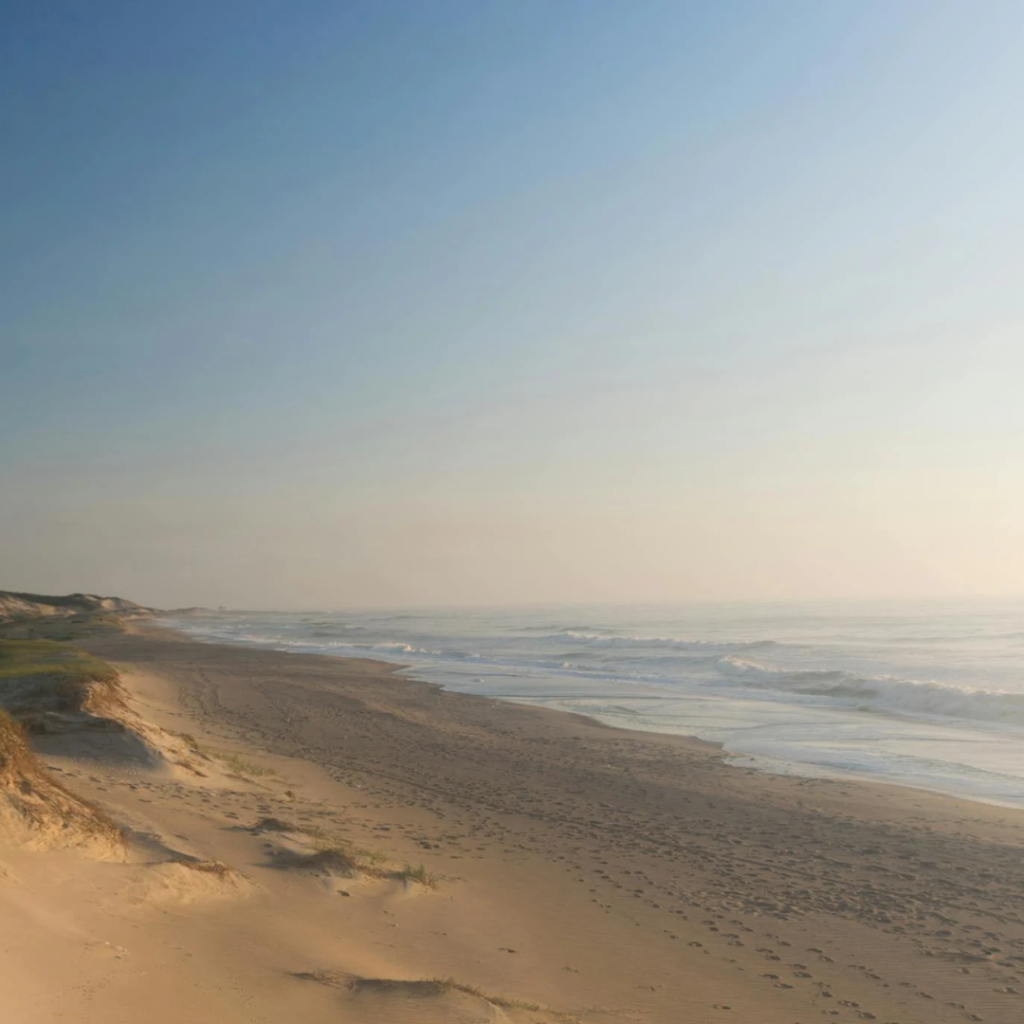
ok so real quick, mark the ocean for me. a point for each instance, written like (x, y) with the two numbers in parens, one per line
(929, 695)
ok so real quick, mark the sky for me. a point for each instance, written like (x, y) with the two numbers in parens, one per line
(327, 304)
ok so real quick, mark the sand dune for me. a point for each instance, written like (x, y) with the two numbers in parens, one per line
(184, 881)
(39, 813)
(28, 609)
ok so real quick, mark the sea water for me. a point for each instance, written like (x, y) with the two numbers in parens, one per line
(929, 695)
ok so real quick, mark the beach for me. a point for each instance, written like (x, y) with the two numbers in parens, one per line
(512, 513)
(926, 694)
(534, 866)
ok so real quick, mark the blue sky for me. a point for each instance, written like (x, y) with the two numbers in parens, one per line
(317, 304)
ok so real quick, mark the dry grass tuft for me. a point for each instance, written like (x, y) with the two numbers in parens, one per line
(206, 867)
(275, 825)
(240, 766)
(422, 988)
(335, 979)
(451, 985)
(330, 861)
(417, 874)
(34, 805)
(333, 854)
(233, 762)
(192, 743)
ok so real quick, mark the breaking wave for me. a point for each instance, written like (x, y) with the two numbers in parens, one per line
(883, 693)
(634, 642)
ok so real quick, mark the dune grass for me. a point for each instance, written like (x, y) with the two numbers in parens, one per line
(233, 762)
(371, 862)
(240, 766)
(452, 985)
(41, 801)
(66, 627)
(21, 659)
(415, 874)
(275, 825)
(333, 853)
(206, 867)
(192, 743)
(41, 678)
(422, 988)
(15, 754)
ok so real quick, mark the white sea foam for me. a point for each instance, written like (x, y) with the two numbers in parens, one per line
(889, 693)
(928, 695)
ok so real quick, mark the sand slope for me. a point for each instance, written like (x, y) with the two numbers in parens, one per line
(39, 813)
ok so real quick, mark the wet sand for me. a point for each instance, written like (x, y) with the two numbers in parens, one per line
(609, 875)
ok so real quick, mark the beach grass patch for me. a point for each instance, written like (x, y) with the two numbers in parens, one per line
(423, 988)
(415, 874)
(206, 867)
(329, 861)
(240, 766)
(42, 680)
(22, 659)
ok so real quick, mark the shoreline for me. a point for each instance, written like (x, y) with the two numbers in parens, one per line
(330, 840)
(759, 762)
(703, 882)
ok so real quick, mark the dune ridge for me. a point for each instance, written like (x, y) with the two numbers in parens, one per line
(37, 811)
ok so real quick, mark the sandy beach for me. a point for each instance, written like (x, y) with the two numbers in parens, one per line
(512, 513)
(514, 864)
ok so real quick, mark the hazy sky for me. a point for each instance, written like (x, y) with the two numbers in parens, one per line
(313, 304)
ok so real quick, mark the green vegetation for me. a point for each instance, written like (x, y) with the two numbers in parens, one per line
(451, 985)
(206, 867)
(41, 801)
(274, 825)
(234, 763)
(333, 853)
(240, 766)
(61, 628)
(330, 860)
(14, 752)
(417, 874)
(368, 860)
(23, 658)
(193, 744)
(40, 678)
(371, 859)
(63, 617)
(425, 988)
